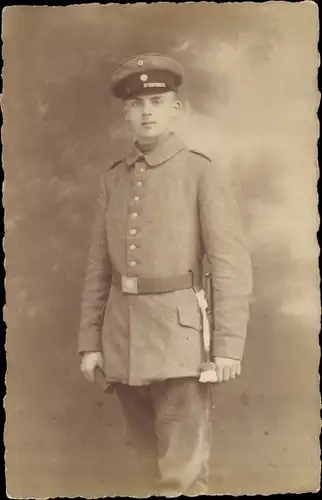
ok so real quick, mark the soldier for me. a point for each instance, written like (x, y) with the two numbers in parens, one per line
(161, 209)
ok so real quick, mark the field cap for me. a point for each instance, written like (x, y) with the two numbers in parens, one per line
(147, 73)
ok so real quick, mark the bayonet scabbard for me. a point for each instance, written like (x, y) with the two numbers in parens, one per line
(210, 304)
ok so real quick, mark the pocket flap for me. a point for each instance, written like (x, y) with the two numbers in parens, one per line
(189, 316)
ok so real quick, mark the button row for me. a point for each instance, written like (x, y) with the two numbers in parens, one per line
(134, 216)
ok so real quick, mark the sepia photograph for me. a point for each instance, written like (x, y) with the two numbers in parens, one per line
(161, 254)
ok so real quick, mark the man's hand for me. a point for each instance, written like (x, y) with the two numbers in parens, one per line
(227, 368)
(89, 362)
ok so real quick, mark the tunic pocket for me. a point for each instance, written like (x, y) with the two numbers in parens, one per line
(189, 316)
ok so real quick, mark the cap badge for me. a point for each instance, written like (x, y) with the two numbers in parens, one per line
(140, 62)
(144, 77)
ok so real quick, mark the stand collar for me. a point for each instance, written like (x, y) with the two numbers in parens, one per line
(165, 149)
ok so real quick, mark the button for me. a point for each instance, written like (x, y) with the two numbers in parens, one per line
(132, 263)
(142, 169)
(134, 215)
(132, 247)
(132, 232)
(136, 198)
(139, 184)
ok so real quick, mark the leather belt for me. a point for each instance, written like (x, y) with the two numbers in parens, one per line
(137, 286)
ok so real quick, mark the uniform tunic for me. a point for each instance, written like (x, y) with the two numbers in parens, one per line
(158, 214)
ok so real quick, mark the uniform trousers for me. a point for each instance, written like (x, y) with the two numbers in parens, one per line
(171, 420)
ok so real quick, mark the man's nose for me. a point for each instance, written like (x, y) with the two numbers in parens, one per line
(147, 108)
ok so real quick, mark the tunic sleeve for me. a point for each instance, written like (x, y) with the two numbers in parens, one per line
(97, 281)
(226, 250)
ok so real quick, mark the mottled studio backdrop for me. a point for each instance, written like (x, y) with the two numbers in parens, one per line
(251, 98)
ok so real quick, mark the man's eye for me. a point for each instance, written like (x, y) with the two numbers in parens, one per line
(157, 101)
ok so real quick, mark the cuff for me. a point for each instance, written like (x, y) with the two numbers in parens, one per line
(89, 341)
(228, 347)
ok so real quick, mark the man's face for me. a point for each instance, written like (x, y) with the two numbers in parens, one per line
(150, 116)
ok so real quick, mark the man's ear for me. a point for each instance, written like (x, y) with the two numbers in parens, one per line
(125, 112)
(178, 105)
(126, 109)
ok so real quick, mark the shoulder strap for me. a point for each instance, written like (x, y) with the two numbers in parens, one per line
(117, 162)
(194, 151)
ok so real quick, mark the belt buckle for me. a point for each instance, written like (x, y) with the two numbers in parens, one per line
(129, 284)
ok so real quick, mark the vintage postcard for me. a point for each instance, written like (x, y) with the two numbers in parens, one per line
(162, 283)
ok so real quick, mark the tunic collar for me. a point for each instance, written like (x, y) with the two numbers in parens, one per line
(168, 147)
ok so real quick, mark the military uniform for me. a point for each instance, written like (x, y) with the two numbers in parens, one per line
(158, 213)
